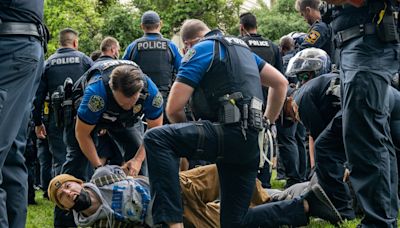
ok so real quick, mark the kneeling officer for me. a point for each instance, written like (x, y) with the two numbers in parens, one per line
(116, 94)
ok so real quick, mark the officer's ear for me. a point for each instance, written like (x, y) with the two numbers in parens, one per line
(75, 43)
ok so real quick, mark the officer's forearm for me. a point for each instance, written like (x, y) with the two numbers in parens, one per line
(276, 98)
(177, 117)
(88, 148)
(140, 154)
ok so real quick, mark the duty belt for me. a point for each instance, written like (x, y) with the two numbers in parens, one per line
(354, 32)
(26, 29)
(18, 28)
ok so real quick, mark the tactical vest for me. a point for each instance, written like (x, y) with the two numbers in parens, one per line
(114, 115)
(237, 72)
(262, 47)
(156, 60)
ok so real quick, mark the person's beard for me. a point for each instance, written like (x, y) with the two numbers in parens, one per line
(82, 202)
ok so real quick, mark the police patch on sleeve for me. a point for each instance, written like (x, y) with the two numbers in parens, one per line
(189, 54)
(312, 37)
(96, 103)
(157, 101)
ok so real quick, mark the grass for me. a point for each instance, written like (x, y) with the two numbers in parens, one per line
(41, 215)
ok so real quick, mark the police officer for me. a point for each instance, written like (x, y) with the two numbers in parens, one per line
(367, 38)
(43, 151)
(22, 36)
(320, 34)
(157, 56)
(263, 47)
(270, 53)
(318, 101)
(117, 95)
(66, 62)
(224, 78)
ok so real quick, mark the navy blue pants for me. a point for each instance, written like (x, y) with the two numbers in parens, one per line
(301, 136)
(237, 163)
(367, 66)
(57, 147)
(21, 64)
(45, 160)
(288, 151)
(395, 126)
(330, 159)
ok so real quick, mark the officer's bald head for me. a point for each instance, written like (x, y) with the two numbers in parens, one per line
(67, 37)
(192, 29)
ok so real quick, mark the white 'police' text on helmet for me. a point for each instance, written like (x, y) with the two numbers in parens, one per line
(309, 60)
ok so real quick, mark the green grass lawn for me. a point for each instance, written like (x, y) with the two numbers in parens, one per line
(41, 215)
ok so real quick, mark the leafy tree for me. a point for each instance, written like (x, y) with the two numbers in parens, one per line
(123, 23)
(215, 13)
(280, 20)
(77, 14)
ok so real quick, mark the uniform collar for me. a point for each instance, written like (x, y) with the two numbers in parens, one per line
(104, 57)
(253, 35)
(63, 50)
(214, 32)
(153, 35)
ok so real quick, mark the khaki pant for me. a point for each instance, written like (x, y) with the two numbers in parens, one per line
(200, 190)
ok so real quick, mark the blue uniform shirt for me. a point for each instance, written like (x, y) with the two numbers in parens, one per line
(198, 60)
(318, 36)
(155, 36)
(91, 116)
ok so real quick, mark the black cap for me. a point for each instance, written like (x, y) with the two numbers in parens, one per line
(150, 17)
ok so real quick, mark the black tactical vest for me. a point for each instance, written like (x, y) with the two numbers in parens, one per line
(237, 72)
(66, 62)
(156, 60)
(262, 47)
(114, 116)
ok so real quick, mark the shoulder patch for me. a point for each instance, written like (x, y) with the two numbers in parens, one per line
(157, 101)
(96, 103)
(312, 37)
(137, 108)
(189, 54)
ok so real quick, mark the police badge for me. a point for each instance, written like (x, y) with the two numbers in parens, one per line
(157, 101)
(96, 103)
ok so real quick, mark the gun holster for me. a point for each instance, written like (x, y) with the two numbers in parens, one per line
(229, 112)
(387, 28)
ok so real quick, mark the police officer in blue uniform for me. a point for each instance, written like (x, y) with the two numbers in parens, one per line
(157, 56)
(320, 34)
(67, 62)
(270, 53)
(367, 38)
(223, 78)
(22, 38)
(318, 101)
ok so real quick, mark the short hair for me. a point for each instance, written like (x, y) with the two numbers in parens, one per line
(302, 4)
(286, 43)
(108, 43)
(95, 55)
(150, 26)
(127, 79)
(192, 28)
(248, 20)
(67, 36)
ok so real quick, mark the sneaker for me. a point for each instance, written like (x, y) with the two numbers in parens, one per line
(320, 206)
